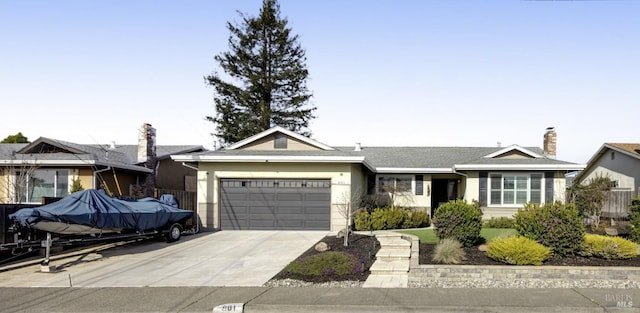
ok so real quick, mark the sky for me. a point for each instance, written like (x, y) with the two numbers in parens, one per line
(382, 73)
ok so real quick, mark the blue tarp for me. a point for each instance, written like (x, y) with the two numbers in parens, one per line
(94, 208)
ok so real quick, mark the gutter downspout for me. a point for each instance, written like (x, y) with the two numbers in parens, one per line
(196, 213)
(466, 177)
(95, 176)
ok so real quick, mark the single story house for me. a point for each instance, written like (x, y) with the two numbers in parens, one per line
(618, 161)
(279, 179)
(47, 167)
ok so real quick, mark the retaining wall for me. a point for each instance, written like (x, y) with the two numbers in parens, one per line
(428, 273)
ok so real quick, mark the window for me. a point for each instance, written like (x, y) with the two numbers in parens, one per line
(394, 184)
(515, 189)
(280, 141)
(41, 183)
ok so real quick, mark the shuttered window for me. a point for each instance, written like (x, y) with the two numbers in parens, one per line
(419, 185)
(515, 189)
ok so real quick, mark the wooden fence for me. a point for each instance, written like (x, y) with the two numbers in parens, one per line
(616, 203)
(187, 200)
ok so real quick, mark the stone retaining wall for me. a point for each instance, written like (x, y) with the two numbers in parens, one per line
(432, 274)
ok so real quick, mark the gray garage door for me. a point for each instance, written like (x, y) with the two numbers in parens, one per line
(275, 204)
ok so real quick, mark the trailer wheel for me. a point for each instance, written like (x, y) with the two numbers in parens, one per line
(174, 232)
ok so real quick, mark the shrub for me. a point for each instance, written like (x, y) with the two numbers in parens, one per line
(449, 251)
(378, 217)
(557, 226)
(499, 222)
(390, 218)
(458, 220)
(332, 263)
(634, 220)
(517, 250)
(610, 248)
(416, 219)
(362, 220)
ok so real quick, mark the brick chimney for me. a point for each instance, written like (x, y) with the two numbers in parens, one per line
(147, 156)
(146, 144)
(549, 144)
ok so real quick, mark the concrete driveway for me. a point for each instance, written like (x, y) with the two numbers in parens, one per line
(226, 258)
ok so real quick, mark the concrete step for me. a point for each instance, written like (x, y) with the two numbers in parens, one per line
(386, 242)
(387, 281)
(394, 254)
(381, 267)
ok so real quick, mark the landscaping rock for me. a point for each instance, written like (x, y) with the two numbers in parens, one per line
(322, 247)
(482, 248)
(611, 231)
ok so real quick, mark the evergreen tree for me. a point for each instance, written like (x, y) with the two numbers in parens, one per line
(266, 65)
(17, 138)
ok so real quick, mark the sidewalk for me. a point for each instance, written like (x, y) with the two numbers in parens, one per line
(263, 299)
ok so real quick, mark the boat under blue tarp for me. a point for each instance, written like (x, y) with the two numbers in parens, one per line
(93, 211)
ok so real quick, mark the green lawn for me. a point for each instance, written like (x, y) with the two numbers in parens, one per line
(429, 236)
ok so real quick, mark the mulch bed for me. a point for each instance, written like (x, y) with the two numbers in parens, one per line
(477, 257)
(362, 246)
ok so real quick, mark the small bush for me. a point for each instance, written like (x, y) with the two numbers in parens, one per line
(458, 220)
(416, 219)
(634, 221)
(610, 248)
(390, 218)
(332, 263)
(362, 220)
(557, 226)
(449, 251)
(499, 222)
(518, 251)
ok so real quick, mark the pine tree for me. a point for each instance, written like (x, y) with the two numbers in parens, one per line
(268, 74)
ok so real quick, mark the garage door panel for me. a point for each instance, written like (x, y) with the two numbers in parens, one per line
(275, 204)
(297, 197)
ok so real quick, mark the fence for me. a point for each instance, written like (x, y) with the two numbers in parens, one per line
(616, 203)
(187, 200)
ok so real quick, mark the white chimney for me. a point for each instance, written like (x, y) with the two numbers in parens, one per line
(358, 147)
(112, 145)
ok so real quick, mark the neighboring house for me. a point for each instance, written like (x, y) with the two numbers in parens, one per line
(279, 179)
(47, 167)
(618, 161)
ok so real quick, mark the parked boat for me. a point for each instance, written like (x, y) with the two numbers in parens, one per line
(94, 212)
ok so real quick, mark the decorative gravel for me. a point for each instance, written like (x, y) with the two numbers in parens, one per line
(299, 283)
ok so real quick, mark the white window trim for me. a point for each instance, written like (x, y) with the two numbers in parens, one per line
(55, 182)
(410, 192)
(515, 205)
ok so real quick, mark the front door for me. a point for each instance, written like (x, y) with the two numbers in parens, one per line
(442, 191)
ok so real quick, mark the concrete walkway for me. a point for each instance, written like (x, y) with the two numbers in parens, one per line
(391, 268)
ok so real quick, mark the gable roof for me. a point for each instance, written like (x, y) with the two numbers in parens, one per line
(389, 159)
(630, 149)
(278, 129)
(513, 148)
(451, 159)
(48, 151)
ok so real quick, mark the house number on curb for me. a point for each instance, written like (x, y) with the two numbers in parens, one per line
(229, 307)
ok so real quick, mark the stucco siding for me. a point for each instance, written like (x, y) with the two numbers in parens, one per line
(4, 186)
(340, 175)
(620, 167)
(472, 190)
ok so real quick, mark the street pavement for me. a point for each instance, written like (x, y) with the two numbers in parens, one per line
(335, 300)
